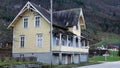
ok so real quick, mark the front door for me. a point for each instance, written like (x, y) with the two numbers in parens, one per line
(69, 59)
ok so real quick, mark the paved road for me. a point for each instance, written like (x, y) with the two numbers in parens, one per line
(104, 65)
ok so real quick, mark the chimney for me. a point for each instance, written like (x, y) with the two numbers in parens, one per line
(39, 5)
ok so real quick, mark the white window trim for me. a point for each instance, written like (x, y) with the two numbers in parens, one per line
(78, 26)
(23, 22)
(37, 41)
(35, 21)
(20, 41)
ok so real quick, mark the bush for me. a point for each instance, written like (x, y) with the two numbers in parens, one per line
(7, 59)
(25, 59)
(45, 66)
(2, 59)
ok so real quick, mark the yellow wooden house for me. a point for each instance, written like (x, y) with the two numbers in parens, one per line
(31, 35)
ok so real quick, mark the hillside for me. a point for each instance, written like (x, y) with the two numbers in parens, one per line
(100, 15)
(107, 38)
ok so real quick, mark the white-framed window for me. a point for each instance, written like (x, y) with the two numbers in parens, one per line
(22, 41)
(37, 21)
(39, 40)
(25, 22)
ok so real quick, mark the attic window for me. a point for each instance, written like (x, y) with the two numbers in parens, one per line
(37, 21)
(25, 22)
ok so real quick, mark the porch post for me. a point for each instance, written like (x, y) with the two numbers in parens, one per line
(74, 41)
(83, 43)
(60, 39)
(79, 42)
(88, 44)
(60, 58)
(73, 55)
(79, 57)
(67, 40)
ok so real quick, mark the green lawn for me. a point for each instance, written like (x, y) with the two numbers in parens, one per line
(13, 63)
(93, 60)
(113, 53)
(75, 65)
(48, 66)
(103, 58)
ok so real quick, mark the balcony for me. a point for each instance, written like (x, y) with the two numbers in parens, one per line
(69, 49)
(69, 43)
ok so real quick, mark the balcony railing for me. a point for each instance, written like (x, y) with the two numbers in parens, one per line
(70, 49)
(63, 42)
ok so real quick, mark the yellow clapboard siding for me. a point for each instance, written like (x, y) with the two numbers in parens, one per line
(30, 34)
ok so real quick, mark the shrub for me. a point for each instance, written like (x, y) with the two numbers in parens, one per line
(45, 66)
(7, 59)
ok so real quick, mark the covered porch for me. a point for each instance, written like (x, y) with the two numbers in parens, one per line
(62, 39)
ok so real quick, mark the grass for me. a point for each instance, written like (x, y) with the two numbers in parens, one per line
(93, 60)
(102, 58)
(75, 65)
(14, 63)
(113, 53)
(48, 66)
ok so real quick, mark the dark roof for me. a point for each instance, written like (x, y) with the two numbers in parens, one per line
(65, 18)
(42, 10)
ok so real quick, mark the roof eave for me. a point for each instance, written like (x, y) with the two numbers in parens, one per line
(81, 15)
(22, 10)
(18, 15)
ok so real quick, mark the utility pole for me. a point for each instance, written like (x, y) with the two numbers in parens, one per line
(51, 35)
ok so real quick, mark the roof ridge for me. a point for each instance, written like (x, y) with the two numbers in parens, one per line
(56, 11)
(68, 10)
(40, 7)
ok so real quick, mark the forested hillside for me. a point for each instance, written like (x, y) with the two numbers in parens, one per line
(100, 15)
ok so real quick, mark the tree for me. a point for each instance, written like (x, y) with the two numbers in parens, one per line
(119, 51)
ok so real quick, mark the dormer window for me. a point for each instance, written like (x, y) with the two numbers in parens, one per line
(37, 21)
(25, 22)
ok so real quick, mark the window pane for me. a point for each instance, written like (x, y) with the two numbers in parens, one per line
(25, 21)
(37, 21)
(22, 41)
(39, 40)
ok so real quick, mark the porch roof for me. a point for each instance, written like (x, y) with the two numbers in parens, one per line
(58, 31)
